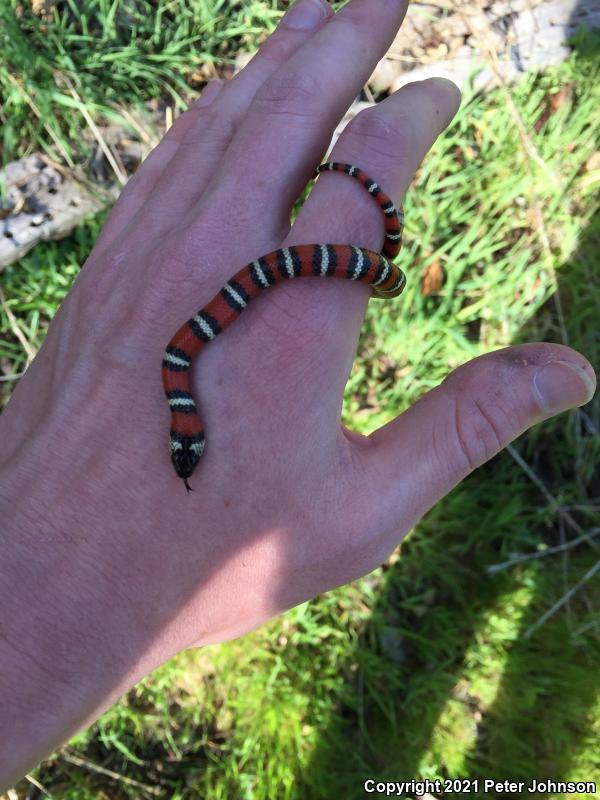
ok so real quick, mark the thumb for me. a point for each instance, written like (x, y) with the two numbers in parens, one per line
(475, 412)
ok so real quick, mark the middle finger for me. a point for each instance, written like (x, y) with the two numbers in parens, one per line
(291, 120)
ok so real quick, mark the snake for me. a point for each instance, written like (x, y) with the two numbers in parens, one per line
(186, 436)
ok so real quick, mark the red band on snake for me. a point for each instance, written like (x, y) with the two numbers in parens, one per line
(187, 442)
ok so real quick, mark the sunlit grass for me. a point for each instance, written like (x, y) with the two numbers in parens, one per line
(422, 669)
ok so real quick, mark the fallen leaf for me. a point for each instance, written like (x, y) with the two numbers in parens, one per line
(552, 103)
(432, 278)
(593, 162)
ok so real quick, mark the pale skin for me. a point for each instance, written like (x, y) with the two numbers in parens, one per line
(108, 567)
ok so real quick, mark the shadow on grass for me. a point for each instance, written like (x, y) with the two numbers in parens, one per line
(550, 682)
(416, 700)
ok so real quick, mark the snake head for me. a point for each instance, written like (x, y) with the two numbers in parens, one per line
(186, 452)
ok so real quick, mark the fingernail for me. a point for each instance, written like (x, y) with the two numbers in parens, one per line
(305, 14)
(561, 385)
(210, 91)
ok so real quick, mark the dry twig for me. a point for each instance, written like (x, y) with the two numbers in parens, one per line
(112, 157)
(38, 785)
(144, 135)
(83, 762)
(14, 377)
(555, 505)
(493, 569)
(564, 599)
(14, 326)
(40, 116)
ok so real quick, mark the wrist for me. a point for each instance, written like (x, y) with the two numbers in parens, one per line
(75, 631)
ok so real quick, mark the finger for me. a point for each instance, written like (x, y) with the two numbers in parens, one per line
(149, 172)
(479, 408)
(388, 142)
(293, 115)
(175, 174)
(206, 129)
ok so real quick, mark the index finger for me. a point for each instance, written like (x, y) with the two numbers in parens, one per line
(293, 115)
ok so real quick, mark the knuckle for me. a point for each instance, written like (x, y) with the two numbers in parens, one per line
(277, 48)
(293, 93)
(211, 125)
(382, 132)
(181, 125)
(477, 430)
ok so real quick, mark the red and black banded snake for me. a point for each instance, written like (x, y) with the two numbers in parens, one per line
(187, 440)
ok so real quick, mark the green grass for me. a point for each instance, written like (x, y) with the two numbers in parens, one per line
(422, 669)
(115, 54)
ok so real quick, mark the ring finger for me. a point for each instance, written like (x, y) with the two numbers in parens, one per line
(388, 142)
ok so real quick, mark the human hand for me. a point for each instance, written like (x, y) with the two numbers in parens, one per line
(287, 503)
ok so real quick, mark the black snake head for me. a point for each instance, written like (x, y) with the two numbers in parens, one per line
(186, 452)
